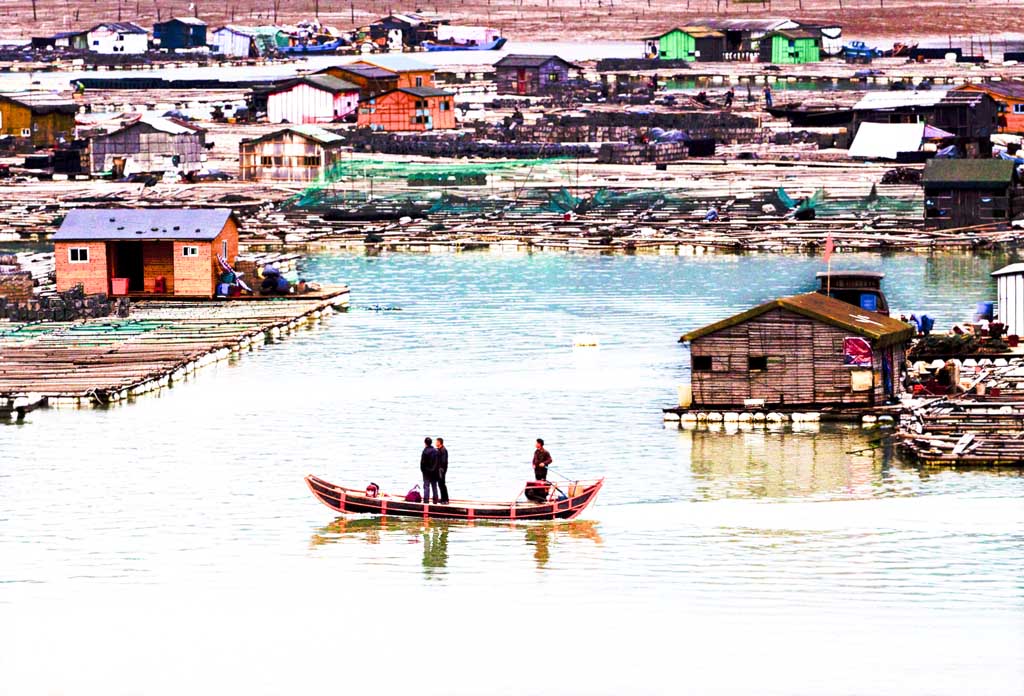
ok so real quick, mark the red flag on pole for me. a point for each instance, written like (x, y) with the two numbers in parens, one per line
(829, 248)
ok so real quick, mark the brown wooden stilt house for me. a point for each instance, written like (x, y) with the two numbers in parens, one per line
(804, 351)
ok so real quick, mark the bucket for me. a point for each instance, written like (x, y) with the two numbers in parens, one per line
(985, 310)
(118, 286)
(1012, 340)
(685, 395)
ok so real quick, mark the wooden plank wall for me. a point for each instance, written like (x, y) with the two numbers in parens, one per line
(804, 364)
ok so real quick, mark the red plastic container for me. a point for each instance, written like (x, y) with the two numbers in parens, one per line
(1012, 340)
(118, 286)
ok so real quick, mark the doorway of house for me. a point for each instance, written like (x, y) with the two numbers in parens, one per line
(128, 264)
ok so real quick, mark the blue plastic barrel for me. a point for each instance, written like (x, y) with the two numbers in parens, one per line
(986, 310)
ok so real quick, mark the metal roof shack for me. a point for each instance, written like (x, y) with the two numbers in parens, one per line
(968, 174)
(115, 224)
(295, 153)
(517, 60)
(884, 330)
(803, 351)
(971, 116)
(40, 117)
(532, 75)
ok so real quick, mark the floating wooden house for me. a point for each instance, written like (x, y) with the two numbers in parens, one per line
(531, 75)
(118, 37)
(961, 193)
(180, 33)
(369, 78)
(1009, 95)
(404, 29)
(311, 99)
(804, 351)
(969, 116)
(791, 46)
(38, 117)
(149, 143)
(688, 43)
(296, 153)
(152, 251)
(411, 73)
(247, 42)
(1010, 304)
(408, 109)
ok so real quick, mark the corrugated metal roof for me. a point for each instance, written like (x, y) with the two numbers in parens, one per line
(755, 25)
(897, 99)
(42, 102)
(968, 173)
(326, 82)
(1011, 89)
(316, 133)
(425, 91)
(1012, 269)
(881, 329)
(194, 21)
(371, 72)
(116, 224)
(394, 64)
(120, 27)
(519, 60)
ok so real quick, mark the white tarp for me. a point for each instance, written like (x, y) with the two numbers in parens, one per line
(886, 140)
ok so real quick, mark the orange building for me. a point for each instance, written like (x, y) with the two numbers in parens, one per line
(1010, 96)
(369, 78)
(157, 251)
(411, 73)
(408, 109)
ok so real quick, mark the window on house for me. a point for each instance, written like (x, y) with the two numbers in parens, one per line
(266, 161)
(224, 248)
(26, 133)
(757, 363)
(1018, 108)
(190, 251)
(553, 77)
(445, 106)
(702, 363)
(78, 254)
(311, 161)
(419, 81)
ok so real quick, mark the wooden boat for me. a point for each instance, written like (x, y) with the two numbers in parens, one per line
(578, 494)
(452, 45)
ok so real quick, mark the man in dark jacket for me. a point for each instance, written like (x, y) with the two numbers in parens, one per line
(428, 467)
(541, 461)
(442, 469)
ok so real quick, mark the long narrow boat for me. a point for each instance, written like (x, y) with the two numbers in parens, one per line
(494, 45)
(577, 495)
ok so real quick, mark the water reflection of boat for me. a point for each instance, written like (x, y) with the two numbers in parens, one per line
(434, 534)
(563, 502)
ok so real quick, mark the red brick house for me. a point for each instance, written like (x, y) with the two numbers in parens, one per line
(162, 251)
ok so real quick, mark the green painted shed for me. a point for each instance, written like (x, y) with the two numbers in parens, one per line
(691, 44)
(788, 46)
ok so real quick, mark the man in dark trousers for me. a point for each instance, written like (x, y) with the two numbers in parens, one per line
(442, 469)
(541, 460)
(428, 467)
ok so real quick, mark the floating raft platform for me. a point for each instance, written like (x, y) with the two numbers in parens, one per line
(101, 361)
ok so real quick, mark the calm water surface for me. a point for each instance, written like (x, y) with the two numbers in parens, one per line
(171, 547)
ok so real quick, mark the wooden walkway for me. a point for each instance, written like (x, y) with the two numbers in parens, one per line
(105, 360)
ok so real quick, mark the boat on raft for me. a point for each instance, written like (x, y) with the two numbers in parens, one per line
(560, 501)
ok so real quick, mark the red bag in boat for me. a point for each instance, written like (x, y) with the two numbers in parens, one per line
(413, 496)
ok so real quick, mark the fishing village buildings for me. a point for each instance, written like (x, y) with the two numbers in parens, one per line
(311, 99)
(40, 118)
(180, 33)
(531, 75)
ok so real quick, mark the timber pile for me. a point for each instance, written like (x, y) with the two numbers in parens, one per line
(982, 427)
(99, 361)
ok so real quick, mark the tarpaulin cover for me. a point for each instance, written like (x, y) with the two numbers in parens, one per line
(856, 352)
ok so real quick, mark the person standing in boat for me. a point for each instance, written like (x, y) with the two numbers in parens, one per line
(541, 461)
(442, 469)
(428, 467)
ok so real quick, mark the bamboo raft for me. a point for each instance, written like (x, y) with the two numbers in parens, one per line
(163, 342)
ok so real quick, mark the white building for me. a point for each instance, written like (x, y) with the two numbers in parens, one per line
(118, 37)
(312, 99)
(1010, 307)
(231, 41)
